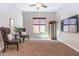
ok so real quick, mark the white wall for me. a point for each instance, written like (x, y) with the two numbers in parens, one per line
(7, 11)
(28, 21)
(71, 39)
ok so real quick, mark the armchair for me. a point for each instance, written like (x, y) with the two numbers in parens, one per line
(4, 32)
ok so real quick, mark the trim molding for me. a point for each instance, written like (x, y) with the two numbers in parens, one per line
(69, 45)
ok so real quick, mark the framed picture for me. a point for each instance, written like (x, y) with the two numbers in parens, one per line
(12, 22)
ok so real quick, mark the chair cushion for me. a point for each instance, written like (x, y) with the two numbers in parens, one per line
(13, 42)
(23, 33)
(10, 37)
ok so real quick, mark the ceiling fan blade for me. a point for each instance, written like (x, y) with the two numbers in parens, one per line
(44, 6)
(33, 5)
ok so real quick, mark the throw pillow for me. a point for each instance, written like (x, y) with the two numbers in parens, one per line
(10, 37)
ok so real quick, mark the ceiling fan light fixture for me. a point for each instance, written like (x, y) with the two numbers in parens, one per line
(39, 5)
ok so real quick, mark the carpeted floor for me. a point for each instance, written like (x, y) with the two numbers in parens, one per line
(40, 48)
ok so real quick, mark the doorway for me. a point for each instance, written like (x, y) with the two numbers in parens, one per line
(52, 29)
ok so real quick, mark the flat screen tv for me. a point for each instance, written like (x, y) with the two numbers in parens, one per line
(70, 24)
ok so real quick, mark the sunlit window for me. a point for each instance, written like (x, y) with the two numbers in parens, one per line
(39, 25)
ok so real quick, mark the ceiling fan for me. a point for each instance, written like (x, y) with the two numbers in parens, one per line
(38, 5)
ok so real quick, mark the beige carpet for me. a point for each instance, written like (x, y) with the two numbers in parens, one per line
(40, 48)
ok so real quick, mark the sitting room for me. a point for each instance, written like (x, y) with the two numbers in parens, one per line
(39, 29)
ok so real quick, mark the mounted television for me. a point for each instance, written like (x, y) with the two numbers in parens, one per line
(70, 24)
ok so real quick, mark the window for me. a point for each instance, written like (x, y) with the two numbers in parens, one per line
(70, 24)
(39, 25)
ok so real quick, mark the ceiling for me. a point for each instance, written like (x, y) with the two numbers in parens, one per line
(51, 7)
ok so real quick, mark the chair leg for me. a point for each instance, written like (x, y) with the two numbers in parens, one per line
(4, 49)
(23, 39)
(17, 47)
(20, 40)
(7, 46)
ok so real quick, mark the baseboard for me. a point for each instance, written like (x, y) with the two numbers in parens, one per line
(69, 45)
